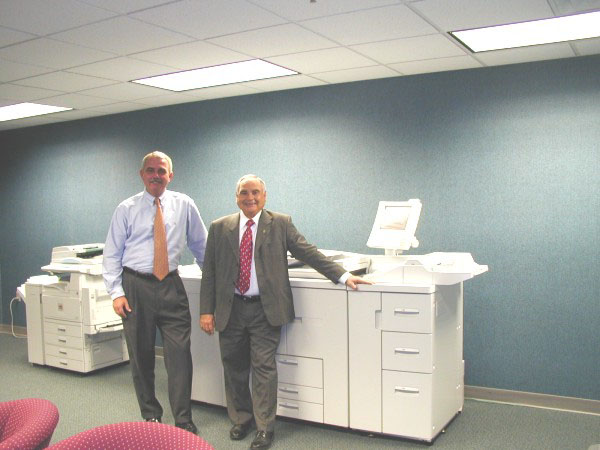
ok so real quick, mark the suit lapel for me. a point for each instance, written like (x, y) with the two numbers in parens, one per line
(233, 234)
(264, 227)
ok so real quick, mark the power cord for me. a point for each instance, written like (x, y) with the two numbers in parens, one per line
(12, 320)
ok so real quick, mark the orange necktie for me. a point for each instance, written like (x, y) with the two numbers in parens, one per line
(161, 257)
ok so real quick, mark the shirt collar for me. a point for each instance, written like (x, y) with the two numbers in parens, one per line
(244, 219)
(149, 197)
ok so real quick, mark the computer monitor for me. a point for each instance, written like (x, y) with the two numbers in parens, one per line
(395, 226)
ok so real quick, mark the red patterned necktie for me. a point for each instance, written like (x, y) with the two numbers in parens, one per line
(161, 256)
(243, 283)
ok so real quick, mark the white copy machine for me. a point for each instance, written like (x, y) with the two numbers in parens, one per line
(71, 323)
(386, 358)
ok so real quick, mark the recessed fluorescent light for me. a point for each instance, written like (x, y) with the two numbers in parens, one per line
(254, 69)
(546, 31)
(22, 110)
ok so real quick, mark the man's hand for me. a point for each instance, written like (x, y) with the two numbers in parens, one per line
(207, 323)
(121, 306)
(353, 281)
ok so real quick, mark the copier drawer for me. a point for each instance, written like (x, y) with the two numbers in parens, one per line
(296, 392)
(299, 370)
(63, 340)
(92, 354)
(411, 313)
(410, 352)
(62, 308)
(63, 329)
(407, 404)
(300, 410)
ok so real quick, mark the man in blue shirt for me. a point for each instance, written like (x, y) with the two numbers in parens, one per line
(146, 301)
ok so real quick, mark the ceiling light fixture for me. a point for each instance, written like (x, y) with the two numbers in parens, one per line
(545, 31)
(254, 69)
(22, 110)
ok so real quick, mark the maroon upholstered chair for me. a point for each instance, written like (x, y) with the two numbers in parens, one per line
(133, 435)
(27, 423)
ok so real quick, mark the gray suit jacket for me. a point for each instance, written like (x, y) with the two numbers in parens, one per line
(276, 234)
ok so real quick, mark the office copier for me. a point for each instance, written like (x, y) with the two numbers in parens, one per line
(70, 320)
(385, 358)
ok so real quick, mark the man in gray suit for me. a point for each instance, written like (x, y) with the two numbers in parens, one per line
(246, 296)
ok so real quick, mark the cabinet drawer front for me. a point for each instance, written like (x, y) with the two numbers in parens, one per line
(65, 352)
(410, 352)
(63, 308)
(62, 328)
(300, 410)
(300, 371)
(64, 363)
(303, 393)
(63, 340)
(106, 351)
(407, 404)
(411, 313)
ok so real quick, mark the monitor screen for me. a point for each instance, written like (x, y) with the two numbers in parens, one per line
(395, 217)
(395, 225)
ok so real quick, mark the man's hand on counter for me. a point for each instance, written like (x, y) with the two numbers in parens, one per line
(353, 281)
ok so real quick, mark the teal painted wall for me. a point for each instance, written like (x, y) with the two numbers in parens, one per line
(504, 159)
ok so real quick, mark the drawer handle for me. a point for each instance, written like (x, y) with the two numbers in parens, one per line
(407, 351)
(62, 328)
(64, 363)
(406, 311)
(406, 390)
(289, 406)
(63, 340)
(288, 390)
(291, 362)
(62, 352)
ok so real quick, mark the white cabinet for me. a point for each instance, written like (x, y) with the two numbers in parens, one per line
(406, 367)
(208, 384)
(317, 338)
(312, 358)
(384, 359)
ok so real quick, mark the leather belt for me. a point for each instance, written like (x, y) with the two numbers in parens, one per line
(247, 298)
(147, 276)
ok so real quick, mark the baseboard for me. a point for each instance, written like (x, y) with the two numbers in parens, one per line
(532, 399)
(19, 331)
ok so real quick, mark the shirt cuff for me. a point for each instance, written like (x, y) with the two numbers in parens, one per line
(344, 277)
(117, 293)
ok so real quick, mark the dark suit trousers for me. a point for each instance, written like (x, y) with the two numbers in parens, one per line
(163, 304)
(250, 342)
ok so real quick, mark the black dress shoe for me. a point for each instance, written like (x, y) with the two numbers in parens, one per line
(263, 439)
(188, 426)
(153, 419)
(240, 431)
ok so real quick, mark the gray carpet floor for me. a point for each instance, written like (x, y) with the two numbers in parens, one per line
(106, 396)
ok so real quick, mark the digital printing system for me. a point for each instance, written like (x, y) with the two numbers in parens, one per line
(71, 323)
(386, 358)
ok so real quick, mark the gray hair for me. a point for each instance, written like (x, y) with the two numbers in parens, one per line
(249, 176)
(158, 154)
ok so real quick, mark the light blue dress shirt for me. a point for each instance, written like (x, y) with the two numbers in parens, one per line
(130, 240)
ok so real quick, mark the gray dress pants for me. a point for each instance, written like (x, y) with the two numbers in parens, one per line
(163, 305)
(250, 342)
